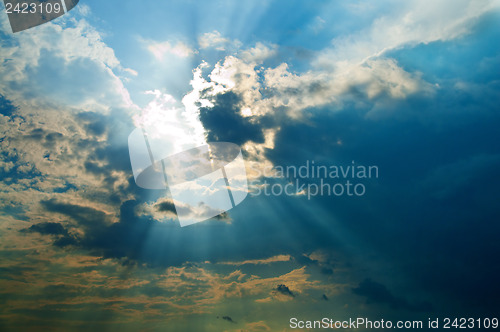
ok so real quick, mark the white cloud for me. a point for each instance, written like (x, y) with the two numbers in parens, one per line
(84, 9)
(49, 49)
(354, 67)
(354, 70)
(412, 22)
(161, 49)
(259, 53)
(318, 24)
(163, 117)
(375, 80)
(213, 39)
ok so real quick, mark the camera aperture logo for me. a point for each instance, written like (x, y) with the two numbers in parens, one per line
(26, 14)
(203, 181)
(312, 179)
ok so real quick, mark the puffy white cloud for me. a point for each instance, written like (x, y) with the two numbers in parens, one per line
(66, 62)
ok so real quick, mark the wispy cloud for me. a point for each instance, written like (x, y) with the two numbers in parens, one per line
(213, 39)
(161, 49)
(270, 260)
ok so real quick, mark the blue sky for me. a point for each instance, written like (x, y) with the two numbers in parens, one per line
(411, 87)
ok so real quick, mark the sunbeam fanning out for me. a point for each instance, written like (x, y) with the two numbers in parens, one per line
(249, 165)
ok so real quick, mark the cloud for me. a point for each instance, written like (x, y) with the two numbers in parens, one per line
(448, 181)
(410, 24)
(317, 25)
(270, 260)
(161, 49)
(224, 122)
(259, 53)
(242, 103)
(44, 62)
(217, 286)
(354, 71)
(86, 216)
(94, 123)
(83, 9)
(164, 209)
(229, 319)
(68, 165)
(213, 39)
(77, 282)
(63, 238)
(378, 293)
(6, 107)
(56, 135)
(52, 228)
(176, 125)
(54, 152)
(257, 326)
(283, 289)
(166, 206)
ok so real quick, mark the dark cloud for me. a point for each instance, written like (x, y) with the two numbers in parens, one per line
(94, 123)
(47, 138)
(6, 107)
(326, 268)
(224, 216)
(305, 260)
(166, 206)
(377, 293)
(62, 292)
(434, 208)
(223, 121)
(87, 217)
(18, 211)
(36, 134)
(106, 158)
(52, 228)
(62, 237)
(12, 273)
(120, 239)
(94, 168)
(67, 187)
(283, 289)
(51, 139)
(142, 239)
(67, 240)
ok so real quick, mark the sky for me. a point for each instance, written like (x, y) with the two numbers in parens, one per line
(410, 88)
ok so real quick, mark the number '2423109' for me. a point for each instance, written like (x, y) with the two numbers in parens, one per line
(32, 8)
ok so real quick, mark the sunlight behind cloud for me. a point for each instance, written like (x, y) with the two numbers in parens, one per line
(177, 128)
